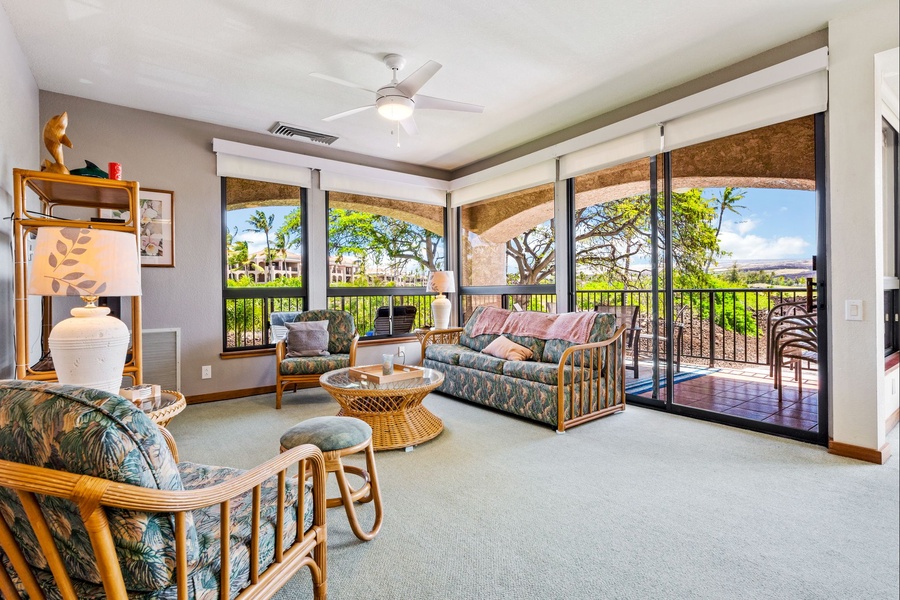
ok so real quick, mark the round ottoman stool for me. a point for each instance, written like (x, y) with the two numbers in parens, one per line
(337, 437)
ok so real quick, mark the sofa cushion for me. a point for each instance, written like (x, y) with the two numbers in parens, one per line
(540, 372)
(478, 342)
(446, 353)
(481, 362)
(314, 365)
(534, 344)
(505, 348)
(604, 326)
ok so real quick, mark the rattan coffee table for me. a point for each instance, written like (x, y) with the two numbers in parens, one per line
(394, 410)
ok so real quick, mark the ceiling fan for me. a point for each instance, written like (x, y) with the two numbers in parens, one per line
(397, 100)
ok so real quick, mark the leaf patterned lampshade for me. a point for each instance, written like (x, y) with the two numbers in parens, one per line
(441, 282)
(73, 261)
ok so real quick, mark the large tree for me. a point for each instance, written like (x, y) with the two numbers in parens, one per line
(378, 239)
(613, 240)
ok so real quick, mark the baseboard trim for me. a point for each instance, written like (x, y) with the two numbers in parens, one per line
(879, 457)
(892, 421)
(229, 395)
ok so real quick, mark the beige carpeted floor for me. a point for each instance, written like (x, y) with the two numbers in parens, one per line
(639, 505)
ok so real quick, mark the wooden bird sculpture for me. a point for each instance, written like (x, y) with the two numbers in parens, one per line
(55, 138)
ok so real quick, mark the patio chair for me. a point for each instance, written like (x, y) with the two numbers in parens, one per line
(94, 505)
(342, 339)
(404, 320)
(627, 315)
(795, 342)
(646, 334)
(778, 314)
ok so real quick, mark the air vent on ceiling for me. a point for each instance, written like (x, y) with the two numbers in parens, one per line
(288, 130)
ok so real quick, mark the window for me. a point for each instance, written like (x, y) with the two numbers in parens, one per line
(264, 238)
(612, 235)
(378, 248)
(508, 241)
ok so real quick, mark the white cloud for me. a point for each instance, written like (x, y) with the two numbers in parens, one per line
(743, 227)
(256, 240)
(756, 247)
(735, 237)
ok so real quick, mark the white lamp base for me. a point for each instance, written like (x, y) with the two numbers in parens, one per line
(89, 349)
(440, 310)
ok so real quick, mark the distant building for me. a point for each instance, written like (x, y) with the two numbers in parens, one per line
(345, 269)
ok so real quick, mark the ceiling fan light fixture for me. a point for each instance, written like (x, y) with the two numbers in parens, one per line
(395, 108)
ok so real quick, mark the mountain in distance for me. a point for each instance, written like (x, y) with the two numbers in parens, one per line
(790, 268)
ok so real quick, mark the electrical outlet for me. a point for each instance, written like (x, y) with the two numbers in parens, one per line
(206, 372)
(401, 354)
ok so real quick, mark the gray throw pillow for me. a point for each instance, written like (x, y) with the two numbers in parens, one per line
(307, 338)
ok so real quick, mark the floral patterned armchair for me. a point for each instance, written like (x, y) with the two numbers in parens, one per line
(93, 505)
(342, 339)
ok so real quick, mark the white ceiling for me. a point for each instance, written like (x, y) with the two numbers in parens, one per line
(537, 66)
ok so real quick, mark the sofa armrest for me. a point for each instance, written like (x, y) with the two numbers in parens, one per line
(441, 336)
(600, 387)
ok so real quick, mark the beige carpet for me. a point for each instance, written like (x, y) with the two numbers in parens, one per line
(638, 505)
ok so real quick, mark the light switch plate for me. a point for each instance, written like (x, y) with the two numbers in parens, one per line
(853, 310)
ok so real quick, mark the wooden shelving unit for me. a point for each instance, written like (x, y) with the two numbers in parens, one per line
(58, 193)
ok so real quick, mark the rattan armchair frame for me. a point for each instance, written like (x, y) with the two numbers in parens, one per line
(310, 380)
(94, 495)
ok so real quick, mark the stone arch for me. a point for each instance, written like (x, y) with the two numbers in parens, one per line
(428, 216)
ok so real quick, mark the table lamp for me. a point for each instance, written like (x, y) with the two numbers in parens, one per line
(440, 282)
(89, 348)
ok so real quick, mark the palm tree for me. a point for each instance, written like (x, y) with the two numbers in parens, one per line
(728, 202)
(262, 223)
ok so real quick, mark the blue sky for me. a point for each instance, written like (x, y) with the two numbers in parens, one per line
(256, 241)
(776, 224)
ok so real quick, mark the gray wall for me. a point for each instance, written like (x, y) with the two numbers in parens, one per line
(176, 154)
(19, 147)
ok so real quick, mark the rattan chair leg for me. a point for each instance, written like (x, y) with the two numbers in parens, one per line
(368, 492)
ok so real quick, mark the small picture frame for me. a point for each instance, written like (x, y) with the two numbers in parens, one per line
(156, 226)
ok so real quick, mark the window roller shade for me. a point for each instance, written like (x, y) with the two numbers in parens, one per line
(229, 165)
(351, 184)
(800, 97)
(537, 174)
(633, 146)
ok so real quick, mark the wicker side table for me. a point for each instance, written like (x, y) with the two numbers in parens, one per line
(393, 410)
(161, 410)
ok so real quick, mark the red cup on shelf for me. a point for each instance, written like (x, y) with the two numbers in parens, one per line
(115, 170)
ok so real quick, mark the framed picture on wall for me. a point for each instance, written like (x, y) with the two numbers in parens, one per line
(156, 227)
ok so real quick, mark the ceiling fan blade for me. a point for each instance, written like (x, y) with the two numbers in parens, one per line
(347, 113)
(414, 82)
(409, 125)
(340, 81)
(441, 104)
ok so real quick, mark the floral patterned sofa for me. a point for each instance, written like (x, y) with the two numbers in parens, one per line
(564, 384)
(93, 505)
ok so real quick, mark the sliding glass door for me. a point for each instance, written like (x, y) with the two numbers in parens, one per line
(733, 310)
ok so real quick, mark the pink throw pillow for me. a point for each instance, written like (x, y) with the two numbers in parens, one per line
(506, 348)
